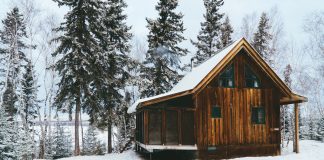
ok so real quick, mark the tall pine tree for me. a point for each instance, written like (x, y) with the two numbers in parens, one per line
(111, 67)
(79, 51)
(209, 37)
(262, 38)
(160, 68)
(12, 57)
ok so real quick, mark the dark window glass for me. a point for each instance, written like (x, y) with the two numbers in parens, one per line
(155, 123)
(171, 127)
(251, 80)
(188, 132)
(226, 78)
(258, 115)
(216, 112)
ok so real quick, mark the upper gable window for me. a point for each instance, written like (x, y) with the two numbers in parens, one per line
(251, 80)
(226, 78)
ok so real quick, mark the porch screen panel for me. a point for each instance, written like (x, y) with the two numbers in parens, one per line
(155, 123)
(171, 122)
(188, 137)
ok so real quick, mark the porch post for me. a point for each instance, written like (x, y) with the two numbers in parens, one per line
(296, 138)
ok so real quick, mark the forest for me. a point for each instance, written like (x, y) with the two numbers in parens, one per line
(89, 68)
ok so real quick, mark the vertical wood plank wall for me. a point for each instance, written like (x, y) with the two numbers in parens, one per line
(235, 126)
(235, 129)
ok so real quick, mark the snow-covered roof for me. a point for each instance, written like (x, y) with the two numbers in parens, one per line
(191, 79)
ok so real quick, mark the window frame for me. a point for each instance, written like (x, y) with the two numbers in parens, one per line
(216, 115)
(227, 78)
(257, 78)
(255, 119)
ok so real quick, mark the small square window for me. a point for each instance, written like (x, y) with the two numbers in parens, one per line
(258, 115)
(216, 112)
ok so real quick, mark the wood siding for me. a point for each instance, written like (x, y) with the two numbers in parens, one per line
(187, 120)
(235, 126)
(234, 134)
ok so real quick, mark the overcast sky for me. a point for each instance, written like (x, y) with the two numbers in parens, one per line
(293, 14)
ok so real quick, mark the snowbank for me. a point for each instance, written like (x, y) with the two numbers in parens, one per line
(309, 150)
(128, 155)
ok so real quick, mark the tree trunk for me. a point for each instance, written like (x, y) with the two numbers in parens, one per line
(81, 131)
(109, 132)
(76, 126)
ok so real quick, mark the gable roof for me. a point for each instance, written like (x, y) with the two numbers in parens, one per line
(194, 81)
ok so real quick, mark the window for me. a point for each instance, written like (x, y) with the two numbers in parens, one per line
(251, 80)
(258, 115)
(216, 112)
(226, 78)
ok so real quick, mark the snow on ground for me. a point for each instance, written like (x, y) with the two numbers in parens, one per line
(309, 150)
(128, 155)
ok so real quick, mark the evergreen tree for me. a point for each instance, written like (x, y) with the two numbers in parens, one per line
(79, 52)
(49, 147)
(24, 143)
(284, 114)
(262, 38)
(226, 33)
(312, 129)
(92, 146)
(6, 133)
(320, 130)
(30, 102)
(111, 67)
(126, 127)
(11, 58)
(160, 68)
(209, 38)
(61, 143)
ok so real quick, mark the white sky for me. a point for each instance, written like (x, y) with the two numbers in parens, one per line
(293, 14)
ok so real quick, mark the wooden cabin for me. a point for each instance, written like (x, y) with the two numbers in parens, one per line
(229, 106)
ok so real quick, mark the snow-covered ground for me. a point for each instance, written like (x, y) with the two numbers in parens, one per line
(309, 150)
(128, 155)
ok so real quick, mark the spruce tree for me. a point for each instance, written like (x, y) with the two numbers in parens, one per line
(284, 114)
(48, 153)
(30, 102)
(262, 38)
(90, 141)
(111, 67)
(126, 122)
(12, 57)
(61, 145)
(24, 143)
(92, 146)
(320, 130)
(209, 37)
(226, 33)
(7, 150)
(312, 129)
(79, 51)
(160, 68)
